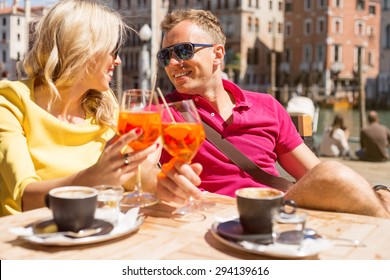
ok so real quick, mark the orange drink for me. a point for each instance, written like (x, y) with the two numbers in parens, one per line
(183, 135)
(183, 140)
(139, 108)
(149, 121)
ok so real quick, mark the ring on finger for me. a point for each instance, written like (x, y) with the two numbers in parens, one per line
(126, 159)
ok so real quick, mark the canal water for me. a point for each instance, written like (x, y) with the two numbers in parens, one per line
(351, 120)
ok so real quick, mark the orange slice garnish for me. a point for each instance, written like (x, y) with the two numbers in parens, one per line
(178, 132)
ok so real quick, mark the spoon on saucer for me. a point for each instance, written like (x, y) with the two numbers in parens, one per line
(79, 234)
(313, 234)
(22, 231)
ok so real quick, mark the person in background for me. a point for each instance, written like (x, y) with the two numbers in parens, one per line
(224, 75)
(334, 142)
(58, 123)
(4, 75)
(193, 48)
(374, 140)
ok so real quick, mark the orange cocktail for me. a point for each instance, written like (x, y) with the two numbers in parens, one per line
(149, 121)
(183, 135)
(139, 108)
(183, 140)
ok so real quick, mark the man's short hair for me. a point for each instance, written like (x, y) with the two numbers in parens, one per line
(206, 20)
(372, 117)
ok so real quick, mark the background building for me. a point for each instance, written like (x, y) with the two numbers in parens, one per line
(384, 75)
(311, 46)
(278, 46)
(15, 26)
(324, 41)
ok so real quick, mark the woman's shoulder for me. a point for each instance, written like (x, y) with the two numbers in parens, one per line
(16, 89)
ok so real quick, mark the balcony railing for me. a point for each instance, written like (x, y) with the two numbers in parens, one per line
(284, 67)
(337, 67)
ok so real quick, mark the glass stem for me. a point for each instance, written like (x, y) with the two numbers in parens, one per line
(192, 204)
(138, 186)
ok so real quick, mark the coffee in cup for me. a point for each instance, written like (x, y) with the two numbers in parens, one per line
(256, 207)
(73, 207)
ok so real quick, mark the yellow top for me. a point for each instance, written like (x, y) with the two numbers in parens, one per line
(34, 145)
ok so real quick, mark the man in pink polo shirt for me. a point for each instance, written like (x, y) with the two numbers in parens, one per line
(259, 126)
(192, 53)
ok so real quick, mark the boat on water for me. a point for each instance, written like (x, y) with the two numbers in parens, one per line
(342, 104)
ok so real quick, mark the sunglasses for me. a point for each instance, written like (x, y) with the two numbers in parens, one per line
(183, 51)
(115, 53)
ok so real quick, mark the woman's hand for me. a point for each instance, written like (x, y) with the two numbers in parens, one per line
(116, 166)
(177, 181)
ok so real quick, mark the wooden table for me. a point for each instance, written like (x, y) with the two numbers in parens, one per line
(161, 237)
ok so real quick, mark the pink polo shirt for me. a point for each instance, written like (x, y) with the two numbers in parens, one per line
(261, 129)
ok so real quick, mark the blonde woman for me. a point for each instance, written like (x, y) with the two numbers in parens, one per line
(57, 121)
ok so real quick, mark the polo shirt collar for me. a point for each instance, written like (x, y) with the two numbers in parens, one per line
(238, 94)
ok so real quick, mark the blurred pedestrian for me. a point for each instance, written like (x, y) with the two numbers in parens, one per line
(374, 140)
(334, 142)
(5, 75)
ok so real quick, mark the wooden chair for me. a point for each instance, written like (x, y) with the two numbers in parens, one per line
(303, 124)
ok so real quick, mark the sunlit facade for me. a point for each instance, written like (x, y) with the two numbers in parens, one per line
(384, 75)
(324, 42)
(15, 24)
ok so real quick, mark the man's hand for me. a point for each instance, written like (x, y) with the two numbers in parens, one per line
(177, 181)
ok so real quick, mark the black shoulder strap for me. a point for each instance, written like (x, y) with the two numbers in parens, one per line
(242, 161)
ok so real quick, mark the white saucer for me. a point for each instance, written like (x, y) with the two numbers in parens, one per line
(127, 224)
(308, 248)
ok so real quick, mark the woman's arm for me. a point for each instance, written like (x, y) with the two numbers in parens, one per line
(109, 169)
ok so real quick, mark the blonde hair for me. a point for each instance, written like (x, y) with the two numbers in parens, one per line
(73, 35)
(206, 20)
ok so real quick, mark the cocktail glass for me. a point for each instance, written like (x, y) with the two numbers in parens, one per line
(183, 135)
(140, 108)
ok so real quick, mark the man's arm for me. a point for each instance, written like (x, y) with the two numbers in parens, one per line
(330, 185)
(298, 161)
